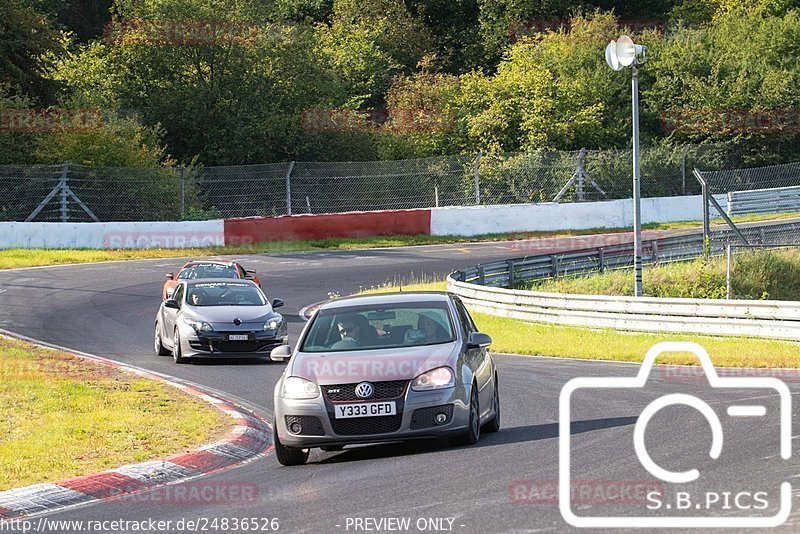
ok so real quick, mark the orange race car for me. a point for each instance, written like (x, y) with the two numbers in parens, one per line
(194, 270)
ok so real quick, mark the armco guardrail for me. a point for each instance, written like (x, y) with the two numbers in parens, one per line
(685, 246)
(773, 200)
(481, 288)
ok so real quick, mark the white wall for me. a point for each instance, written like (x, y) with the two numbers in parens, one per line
(477, 220)
(113, 235)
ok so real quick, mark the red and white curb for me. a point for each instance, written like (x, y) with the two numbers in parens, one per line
(250, 439)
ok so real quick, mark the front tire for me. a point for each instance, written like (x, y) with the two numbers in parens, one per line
(287, 455)
(473, 433)
(494, 424)
(157, 345)
(176, 348)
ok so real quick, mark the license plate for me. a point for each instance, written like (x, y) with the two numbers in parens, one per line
(372, 409)
(238, 337)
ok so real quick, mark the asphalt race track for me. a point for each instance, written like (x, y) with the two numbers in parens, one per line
(506, 483)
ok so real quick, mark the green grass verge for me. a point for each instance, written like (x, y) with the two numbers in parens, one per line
(63, 416)
(520, 337)
(763, 274)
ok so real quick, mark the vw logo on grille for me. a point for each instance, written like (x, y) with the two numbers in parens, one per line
(237, 321)
(364, 390)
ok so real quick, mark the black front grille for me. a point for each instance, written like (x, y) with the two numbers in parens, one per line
(311, 426)
(217, 345)
(425, 417)
(383, 390)
(367, 425)
(236, 346)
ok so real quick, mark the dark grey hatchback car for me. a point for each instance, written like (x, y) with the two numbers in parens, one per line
(390, 367)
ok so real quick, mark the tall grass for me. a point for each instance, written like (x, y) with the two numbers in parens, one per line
(762, 274)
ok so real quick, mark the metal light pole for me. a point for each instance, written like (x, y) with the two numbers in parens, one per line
(619, 54)
(637, 201)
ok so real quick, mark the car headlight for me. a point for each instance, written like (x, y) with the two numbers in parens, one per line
(273, 324)
(441, 377)
(199, 326)
(295, 387)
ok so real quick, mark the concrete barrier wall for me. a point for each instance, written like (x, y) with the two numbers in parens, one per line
(477, 220)
(305, 227)
(114, 235)
(463, 221)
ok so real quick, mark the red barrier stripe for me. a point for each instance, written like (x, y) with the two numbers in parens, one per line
(310, 227)
(203, 461)
(5, 513)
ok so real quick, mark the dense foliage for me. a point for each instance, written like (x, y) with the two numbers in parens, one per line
(456, 76)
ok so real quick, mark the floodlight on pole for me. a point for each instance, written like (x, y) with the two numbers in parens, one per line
(620, 54)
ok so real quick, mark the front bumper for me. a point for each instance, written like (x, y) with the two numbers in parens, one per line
(415, 419)
(214, 345)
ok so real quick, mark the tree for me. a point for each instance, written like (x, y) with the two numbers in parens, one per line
(734, 81)
(371, 41)
(231, 97)
(27, 38)
(553, 93)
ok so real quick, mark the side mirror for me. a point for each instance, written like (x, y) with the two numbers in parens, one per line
(281, 353)
(277, 303)
(170, 276)
(478, 340)
(172, 304)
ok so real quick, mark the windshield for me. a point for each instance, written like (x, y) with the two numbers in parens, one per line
(370, 327)
(224, 294)
(208, 270)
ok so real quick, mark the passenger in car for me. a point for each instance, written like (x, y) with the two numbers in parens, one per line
(429, 330)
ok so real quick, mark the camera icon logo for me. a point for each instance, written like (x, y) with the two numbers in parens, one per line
(651, 466)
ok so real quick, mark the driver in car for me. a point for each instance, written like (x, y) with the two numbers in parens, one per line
(355, 331)
(196, 298)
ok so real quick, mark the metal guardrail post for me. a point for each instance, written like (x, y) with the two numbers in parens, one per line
(481, 275)
(728, 273)
(289, 188)
(654, 248)
(511, 278)
(554, 265)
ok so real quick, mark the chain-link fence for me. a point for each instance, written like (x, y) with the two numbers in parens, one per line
(78, 193)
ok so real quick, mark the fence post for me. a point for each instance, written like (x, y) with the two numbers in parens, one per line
(436, 194)
(477, 179)
(289, 188)
(554, 265)
(64, 189)
(183, 191)
(683, 170)
(601, 253)
(706, 214)
(511, 278)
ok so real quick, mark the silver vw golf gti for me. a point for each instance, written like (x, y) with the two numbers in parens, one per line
(385, 368)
